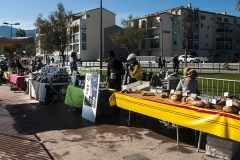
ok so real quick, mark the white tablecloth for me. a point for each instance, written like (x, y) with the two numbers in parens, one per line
(37, 89)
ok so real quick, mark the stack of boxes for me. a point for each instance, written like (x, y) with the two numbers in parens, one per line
(221, 147)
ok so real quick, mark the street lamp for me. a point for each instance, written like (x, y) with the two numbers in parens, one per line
(11, 32)
(11, 25)
(162, 35)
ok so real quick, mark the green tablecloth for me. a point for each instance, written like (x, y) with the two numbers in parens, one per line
(74, 96)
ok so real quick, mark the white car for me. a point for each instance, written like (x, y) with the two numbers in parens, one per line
(190, 59)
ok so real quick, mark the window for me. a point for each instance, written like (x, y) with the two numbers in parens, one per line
(76, 48)
(84, 46)
(208, 27)
(195, 44)
(190, 44)
(75, 29)
(201, 25)
(206, 44)
(83, 28)
(75, 38)
(174, 42)
(84, 37)
(206, 35)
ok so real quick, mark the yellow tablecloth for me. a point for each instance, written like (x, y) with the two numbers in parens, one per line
(215, 122)
(6, 75)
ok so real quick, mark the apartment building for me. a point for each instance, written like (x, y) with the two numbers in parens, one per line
(217, 37)
(86, 34)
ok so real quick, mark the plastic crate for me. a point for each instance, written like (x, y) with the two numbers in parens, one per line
(221, 142)
(169, 84)
(220, 152)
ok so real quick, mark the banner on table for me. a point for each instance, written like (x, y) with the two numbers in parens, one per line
(90, 97)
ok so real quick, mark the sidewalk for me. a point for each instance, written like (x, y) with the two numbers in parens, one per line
(30, 130)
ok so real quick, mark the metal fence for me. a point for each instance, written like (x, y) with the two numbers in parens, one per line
(217, 87)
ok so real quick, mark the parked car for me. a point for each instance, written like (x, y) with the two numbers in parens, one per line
(104, 59)
(190, 59)
(121, 59)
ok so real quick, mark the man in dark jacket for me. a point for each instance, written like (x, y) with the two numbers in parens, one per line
(114, 71)
(175, 63)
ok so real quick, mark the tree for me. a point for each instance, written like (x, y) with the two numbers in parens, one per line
(54, 33)
(20, 33)
(187, 22)
(131, 36)
(238, 5)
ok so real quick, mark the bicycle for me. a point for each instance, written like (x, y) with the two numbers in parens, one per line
(226, 66)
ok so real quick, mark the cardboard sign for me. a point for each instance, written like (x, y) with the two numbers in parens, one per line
(172, 91)
(184, 94)
(228, 102)
(225, 94)
(193, 95)
(214, 101)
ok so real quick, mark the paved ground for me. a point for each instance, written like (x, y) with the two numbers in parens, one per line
(31, 130)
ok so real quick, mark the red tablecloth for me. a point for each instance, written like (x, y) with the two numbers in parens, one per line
(18, 80)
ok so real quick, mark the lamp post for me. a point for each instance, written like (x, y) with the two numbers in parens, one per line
(11, 33)
(11, 25)
(160, 19)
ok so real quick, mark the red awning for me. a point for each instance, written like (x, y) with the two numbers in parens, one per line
(15, 42)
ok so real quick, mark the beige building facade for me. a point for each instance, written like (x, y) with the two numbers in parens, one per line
(86, 33)
(217, 37)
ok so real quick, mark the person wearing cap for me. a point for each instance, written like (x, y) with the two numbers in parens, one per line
(39, 64)
(115, 70)
(135, 69)
(189, 83)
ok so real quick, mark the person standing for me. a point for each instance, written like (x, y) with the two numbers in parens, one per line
(159, 63)
(39, 64)
(134, 69)
(164, 62)
(73, 64)
(52, 59)
(175, 63)
(115, 70)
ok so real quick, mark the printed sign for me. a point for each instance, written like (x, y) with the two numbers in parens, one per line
(228, 102)
(90, 97)
(172, 91)
(225, 94)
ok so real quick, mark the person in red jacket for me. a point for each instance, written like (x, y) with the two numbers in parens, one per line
(114, 72)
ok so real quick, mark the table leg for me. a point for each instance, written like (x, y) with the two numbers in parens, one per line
(199, 140)
(177, 134)
(129, 117)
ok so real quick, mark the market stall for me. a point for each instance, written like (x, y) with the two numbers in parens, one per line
(17, 80)
(216, 122)
(6, 75)
(75, 95)
(48, 84)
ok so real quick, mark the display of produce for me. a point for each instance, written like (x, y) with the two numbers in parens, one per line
(229, 104)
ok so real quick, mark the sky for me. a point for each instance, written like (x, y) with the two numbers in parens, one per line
(25, 12)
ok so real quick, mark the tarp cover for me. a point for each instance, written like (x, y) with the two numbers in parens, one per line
(15, 42)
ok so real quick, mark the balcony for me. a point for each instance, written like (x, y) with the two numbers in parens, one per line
(220, 30)
(153, 35)
(219, 39)
(153, 25)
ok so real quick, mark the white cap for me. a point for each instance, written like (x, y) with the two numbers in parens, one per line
(131, 56)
